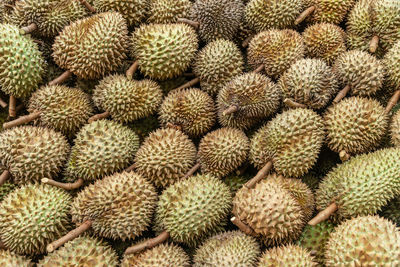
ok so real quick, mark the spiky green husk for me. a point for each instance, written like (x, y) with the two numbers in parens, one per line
(164, 51)
(101, 148)
(6, 188)
(364, 241)
(10, 259)
(329, 11)
(391, 61)
(96, 45)
(289, 255)
(392, 211)
(22, 65)
(33, 216)
(168, 11)
(235, 182)
(192, 109)
(311, 180)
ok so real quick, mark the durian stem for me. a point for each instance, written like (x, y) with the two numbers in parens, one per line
(247, 41)
(132, 69)
(189, 84)
(3, 104)
(259, 69)
(293, 104)
(99, 116)
(11, 109)
(304, 15)
(4, 176)
(22, 120)
(62, 78)
(148, 244)
(192, 170)
(260, 175)
(393, 101)
(189, 22)
(230, 110)
(243, 227)
(131, 168)
(70, 236)
(344, 156)
(88, 6)
(28, 29)
(342, 94)
(66, 186)
(373, 45)
(174, 126)
(323, 215)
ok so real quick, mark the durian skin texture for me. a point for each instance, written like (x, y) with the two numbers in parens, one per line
(277, 50)
(391, 61)
(362, 185)
(163, 255)
(355, 125)
(289, 255)
(82, 251)
(364, 241)
(96, 45)
(233, 248)
(5, 189)
(61, 108)
(217, 18)
(216, 64)
(392, 211)
(292, 141)
(395, 129)
(10, 259)
(165, 156)
(222, 151)
(191, 208)
(33, 216)
(101, 148)
(328, 11)
(127, 100)
(22, 69)
(168, 11)
(164, 51)
(32, 153)
(191, 108)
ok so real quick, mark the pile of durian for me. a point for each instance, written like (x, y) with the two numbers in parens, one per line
(206, 133)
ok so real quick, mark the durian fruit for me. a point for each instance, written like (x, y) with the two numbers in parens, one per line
(360, 186)
(236, 181)
(355, 125)
(82, 251)
(395, 129)
(32, 216)
(315, 238)
(10, 259)
(246, 99)
(275, 50)
(216, 19)
(96, 46)
(391, 61)
(359, 73)
(191, 109)
(364, 241)
(31, 153)
(133, 11)
(325, 41)
(262, 15)
(168, 11)
(308, 83)
(233, 248)
(189, 209)
(289, 255)
(165, 156)
(163, 51)
(216, 64)
(291, 141)
(126, 100)
(311, 180)
(144, 127)
(163, 255)
(392, 211)
(5, 189)
(58, 107)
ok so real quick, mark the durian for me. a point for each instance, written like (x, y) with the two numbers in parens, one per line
(5, 189)
(11, 259)
(289, 255)
(144, 127)
(236, 181)
(392, 211)
(168, 11)
(395, 129)
(391, 61)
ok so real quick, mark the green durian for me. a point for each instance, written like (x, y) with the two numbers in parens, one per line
(5, 189)
(391, 61)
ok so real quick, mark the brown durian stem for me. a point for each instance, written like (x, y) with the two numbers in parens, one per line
(373, 45)
(259, 69)
(189, 83)
(132, 69)
(323, 215)
(192, 170)
(66, 186)
(148, 244)
(70, 236)
(4, 176)
(22, 120)
(230, 110)
(260, 175)
(99, 116)
(12, 108)
(293, 104)
(3, 104)
(28, 29)
(189, 22)
(393, 101)
(304, 15)
(62, 78)
(131, 168)
(243, 227)
(88, 6)
(342, 94)
(344, 156)
(247, 41)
